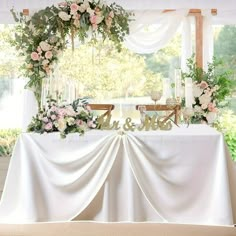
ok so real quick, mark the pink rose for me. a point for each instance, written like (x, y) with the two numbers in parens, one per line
(79, 122)
(34, 56)
(48, 126)
(48, 54)
(203, 85)
(74, 7)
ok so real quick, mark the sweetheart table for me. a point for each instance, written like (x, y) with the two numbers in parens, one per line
(184, 175)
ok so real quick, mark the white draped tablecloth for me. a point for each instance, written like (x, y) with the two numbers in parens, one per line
(183, 176)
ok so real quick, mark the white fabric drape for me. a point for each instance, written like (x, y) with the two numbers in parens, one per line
(30, 108)
(186, 44)
(178, 176)
(152, 30)
(208, 42)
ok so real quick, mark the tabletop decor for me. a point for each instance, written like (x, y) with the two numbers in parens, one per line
(41, 38)
(210, 89)
(70, 118)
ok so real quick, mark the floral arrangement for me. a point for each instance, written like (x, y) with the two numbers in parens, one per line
(42, 37)
(204, 105)
(70, 118)
(210, 89)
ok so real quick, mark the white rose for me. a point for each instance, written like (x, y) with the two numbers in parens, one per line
(197, 91)
(197, 109)
(45, 62)
(64, 16)
(61, 125)
(90, 11)
(205, 99)
(45, 46)
(211, 116)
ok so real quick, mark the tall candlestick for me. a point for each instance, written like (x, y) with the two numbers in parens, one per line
(188, 92)
(178, 83)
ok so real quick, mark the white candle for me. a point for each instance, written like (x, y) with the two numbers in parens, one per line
(178, 83)
(188, 92)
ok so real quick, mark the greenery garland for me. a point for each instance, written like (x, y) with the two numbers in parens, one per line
(42, 37)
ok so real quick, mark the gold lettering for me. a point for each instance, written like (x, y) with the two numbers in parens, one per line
(128, 125)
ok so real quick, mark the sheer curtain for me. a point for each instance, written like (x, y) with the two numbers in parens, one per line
(152, 30)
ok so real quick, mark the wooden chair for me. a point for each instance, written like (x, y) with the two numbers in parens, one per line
(175, 110)
(102, 107)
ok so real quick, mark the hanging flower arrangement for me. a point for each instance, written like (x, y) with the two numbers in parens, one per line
(42, 37)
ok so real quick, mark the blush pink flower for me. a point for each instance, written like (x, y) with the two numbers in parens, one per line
(74, 7)
(79, 122)
(91, 124)
(48, 126)
(34, 56)
(88, 108)
(203, 85)
(48, 54)
(211, 107)
(93, 19)
(39, 49)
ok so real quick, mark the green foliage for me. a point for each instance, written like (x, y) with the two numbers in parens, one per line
(216, 75)
(227, 125)
(8, 138)
(225, 47)
(41, 38)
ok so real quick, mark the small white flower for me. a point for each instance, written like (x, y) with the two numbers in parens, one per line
(197, 109)
(64, 16)
(70, 121)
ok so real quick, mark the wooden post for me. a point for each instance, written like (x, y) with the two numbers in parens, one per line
(199, 40)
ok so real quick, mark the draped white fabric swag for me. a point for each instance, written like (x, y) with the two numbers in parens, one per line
(105, 176)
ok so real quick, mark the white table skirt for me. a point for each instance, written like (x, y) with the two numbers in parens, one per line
(183, 176)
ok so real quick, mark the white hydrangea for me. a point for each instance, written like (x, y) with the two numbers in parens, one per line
(211, 116)
(205, 99)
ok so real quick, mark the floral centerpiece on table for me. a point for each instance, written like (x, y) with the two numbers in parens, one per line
(70, 118)
(210, 89)
(42, 37)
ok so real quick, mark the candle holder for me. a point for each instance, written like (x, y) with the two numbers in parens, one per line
(156, 96)
(188, 113)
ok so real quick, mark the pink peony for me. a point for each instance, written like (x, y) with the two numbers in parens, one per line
(48, 54)
(48, 126)
(203, 85)
(34, 56)
(74, 7)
